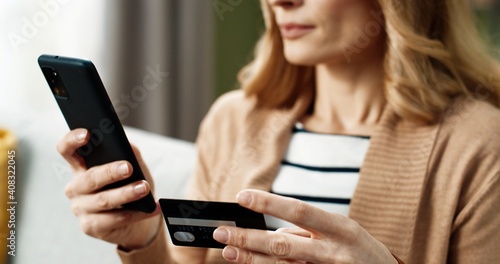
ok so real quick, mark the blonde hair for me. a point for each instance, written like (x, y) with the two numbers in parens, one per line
(433, 54)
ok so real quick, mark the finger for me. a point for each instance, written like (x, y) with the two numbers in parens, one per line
(294, 231)
(238, 255)
(278, 245)
(101, 224)
(292, 210)
(68, 145)
(95, 178)
(110, 199)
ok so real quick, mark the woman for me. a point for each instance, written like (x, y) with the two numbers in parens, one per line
(405, 82)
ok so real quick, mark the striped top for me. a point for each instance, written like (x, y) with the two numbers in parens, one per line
(321, 169)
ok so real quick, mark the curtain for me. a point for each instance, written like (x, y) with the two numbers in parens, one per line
(159, 63)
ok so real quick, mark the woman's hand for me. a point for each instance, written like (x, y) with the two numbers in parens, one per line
(322, 237)
(99, 212)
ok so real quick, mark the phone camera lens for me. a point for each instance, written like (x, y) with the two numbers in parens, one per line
(55, 82)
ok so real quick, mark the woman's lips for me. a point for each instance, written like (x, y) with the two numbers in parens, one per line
(294, 31)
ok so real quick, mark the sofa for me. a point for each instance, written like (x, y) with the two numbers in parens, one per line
(46, 230)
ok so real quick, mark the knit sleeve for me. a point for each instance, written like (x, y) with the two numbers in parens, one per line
(475, 236)
(399, 260)
(476, 232)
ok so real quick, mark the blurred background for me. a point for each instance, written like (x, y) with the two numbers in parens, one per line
(198, 45)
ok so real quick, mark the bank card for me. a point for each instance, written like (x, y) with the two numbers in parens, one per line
(192, 223)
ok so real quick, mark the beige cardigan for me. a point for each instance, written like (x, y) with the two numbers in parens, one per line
(427, 192)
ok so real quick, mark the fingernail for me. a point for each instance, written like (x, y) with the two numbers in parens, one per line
(140, 188)
(122, 168)
(221, 235)
(81, 136)
(244, 198)
(230, 253)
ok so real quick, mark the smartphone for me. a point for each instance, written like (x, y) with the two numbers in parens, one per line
(84, 103)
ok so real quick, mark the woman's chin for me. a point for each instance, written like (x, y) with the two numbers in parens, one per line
(301, 60)
(311, 60)
(304, 56)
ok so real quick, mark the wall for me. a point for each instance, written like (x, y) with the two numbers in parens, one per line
(238, 24)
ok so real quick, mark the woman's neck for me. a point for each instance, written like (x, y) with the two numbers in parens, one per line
(349, 97)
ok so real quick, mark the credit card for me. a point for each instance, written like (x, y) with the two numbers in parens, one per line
(191, 223)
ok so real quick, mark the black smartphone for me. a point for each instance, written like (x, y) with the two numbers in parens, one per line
(83, 101)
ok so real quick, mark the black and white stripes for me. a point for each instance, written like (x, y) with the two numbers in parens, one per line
(321, 169)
